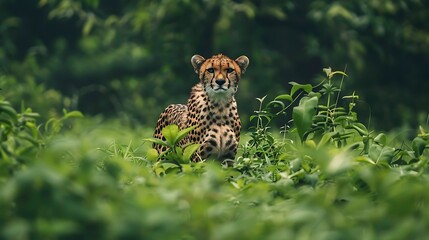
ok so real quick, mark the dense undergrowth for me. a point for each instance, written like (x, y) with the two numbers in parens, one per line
(323, 176)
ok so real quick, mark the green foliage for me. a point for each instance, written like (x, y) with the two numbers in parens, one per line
(19, 138)
(326, 175)
(304, 113)
(19, 84)
(86, 183)
(176, 157)
(54, 125)
(322, 125)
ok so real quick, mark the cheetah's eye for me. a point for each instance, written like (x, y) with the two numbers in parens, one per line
(229, 70)
(210, 70)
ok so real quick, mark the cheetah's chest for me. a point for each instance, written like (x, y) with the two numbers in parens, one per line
(217, 125)
(220, 141)
(216, 132)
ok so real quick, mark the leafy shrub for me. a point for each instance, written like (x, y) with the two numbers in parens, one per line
(19, 139)
(20, 86)
(20, 136)
(175, 157)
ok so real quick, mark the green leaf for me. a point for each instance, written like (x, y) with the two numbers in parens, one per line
(364, 159)
(159, 170)
(6, 122)
(296, 86)
(381, 155)
(182, 133)
(295, 165)
(31, 140)
(261, 99)
(325, 139)
(6, 108)
(418, 145)
(31, 115)
(422, 131)
(380, 139)
(179, 152)
(73, 114)
(337, 72)
(187, 168)
(188, 151)
(275, 102)
(303, 115)
(360, 128)
(157, 141)
(170, 167)
(284, 97)
(152, 155)
(327, 71)
(170, 133)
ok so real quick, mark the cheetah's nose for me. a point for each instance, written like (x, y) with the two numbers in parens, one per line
(220, 82)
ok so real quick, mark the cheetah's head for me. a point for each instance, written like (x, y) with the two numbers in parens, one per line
(219, 75)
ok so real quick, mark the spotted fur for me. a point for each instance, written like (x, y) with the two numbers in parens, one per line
(211, 108)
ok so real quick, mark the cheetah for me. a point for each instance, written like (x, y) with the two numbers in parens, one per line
(211, 108)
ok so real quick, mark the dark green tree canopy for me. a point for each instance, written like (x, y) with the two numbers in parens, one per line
(115, 57)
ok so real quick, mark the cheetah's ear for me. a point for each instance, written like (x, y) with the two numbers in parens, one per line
(196, 61)
(243, 62)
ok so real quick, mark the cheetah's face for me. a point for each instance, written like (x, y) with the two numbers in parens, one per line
(220, 75)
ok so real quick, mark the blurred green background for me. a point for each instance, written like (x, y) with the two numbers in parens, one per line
(130, 59)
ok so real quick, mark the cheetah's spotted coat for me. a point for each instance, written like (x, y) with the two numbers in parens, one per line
(211, 108)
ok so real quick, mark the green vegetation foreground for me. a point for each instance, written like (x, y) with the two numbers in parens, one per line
(326, 176)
